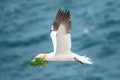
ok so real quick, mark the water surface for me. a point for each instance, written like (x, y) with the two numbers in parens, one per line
(24, 32)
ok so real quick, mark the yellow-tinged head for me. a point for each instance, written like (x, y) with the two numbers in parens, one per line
(39, 60)
(41, 56)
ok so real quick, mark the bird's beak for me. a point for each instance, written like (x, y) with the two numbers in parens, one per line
(32, 61)
(37, 62)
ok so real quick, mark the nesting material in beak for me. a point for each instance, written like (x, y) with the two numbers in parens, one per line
(38, 62)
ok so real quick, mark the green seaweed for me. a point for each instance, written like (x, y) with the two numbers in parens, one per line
(38, 62)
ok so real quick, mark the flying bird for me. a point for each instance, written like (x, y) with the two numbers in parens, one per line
(61, 38)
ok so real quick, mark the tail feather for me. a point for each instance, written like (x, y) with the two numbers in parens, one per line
(83, 59)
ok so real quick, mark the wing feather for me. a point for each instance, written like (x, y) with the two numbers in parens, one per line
(60, 32)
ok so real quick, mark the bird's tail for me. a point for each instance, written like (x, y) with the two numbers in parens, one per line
(83, 59)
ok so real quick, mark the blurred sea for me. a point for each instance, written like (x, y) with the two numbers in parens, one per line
(24, 32)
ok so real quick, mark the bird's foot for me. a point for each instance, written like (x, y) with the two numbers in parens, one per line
(78, 60)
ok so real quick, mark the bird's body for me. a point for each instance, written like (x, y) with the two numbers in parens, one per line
(60, 34)
(59, 57)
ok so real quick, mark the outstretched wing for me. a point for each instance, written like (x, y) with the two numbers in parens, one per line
(60, 32)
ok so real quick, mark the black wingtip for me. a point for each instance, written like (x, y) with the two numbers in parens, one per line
(64, 12)
(63, 17)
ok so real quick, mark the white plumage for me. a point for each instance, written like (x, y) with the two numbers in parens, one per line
(61, 38)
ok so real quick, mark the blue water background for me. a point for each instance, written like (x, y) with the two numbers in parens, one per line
(24, 32)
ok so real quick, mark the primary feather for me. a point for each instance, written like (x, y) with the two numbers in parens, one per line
(60, 32)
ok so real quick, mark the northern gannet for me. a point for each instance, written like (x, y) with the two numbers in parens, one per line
(61, 38)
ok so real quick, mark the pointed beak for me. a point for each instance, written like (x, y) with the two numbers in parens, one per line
(37, 62)
(33, 60)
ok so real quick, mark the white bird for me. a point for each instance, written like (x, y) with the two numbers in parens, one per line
(61, 38)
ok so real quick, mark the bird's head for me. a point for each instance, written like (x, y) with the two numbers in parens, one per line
(41, 56)
(39, 60)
